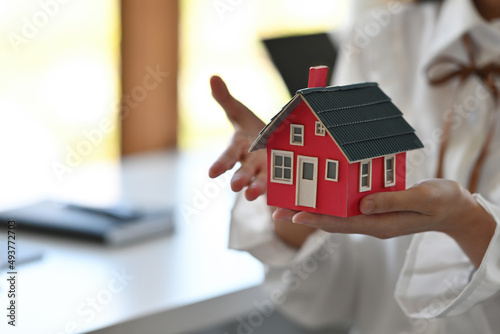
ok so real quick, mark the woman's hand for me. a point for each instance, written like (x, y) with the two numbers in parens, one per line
(252, 172)
(432, 205)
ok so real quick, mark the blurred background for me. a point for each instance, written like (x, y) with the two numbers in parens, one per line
(87, 84)
(63, 79)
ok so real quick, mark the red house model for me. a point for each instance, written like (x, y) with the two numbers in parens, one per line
(331, 146)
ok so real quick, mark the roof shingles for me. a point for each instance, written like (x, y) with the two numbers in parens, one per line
(361, 118)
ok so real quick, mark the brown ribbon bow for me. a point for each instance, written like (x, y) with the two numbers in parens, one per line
(463, 71)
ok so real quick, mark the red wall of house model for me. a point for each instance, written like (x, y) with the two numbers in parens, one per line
(338, 195)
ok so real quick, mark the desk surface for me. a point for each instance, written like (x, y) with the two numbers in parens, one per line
(176, 281)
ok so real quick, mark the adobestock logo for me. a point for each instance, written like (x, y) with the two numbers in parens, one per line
(96, 303)
(459, 112)
(32, 25)
(369, 29)
(291, 280)
(92, 138)
(203, 196)
(222, 7)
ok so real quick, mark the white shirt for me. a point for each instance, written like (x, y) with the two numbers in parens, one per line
(419, 284)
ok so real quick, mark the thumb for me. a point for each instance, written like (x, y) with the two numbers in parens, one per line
(391, 201)
(237, 113)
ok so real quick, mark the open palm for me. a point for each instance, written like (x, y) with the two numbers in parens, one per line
(252, 173)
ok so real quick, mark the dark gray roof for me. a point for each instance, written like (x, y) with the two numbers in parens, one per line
(360, 118)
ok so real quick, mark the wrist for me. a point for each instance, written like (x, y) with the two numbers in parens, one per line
(474, 231)
(292, 234)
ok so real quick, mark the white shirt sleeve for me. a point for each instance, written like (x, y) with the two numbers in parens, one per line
(252, 231)
(293, 276)
(438, 279)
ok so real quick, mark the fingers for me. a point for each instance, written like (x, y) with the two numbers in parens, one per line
(382, 226)
(253, 178)
(235, 152)
(217, 169)
(251, 171)
(252, 174)
(281, 214)
(219, 91)
(432, 205)
(221, 165)
(412, 199)
(237, 113)
(327, 223)
(256, 187)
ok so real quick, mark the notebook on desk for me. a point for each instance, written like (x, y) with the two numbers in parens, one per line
(114, 225)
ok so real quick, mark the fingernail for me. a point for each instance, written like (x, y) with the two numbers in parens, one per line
(367, 206)
(296, 220)
(282, 217)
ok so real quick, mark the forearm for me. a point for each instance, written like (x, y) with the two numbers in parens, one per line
(475, 234)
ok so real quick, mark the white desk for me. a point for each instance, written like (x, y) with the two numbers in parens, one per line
(181, 282)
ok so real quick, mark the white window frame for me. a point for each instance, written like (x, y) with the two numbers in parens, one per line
(336, 170)
(393, 166)
(369, 175)
(319, 129)
(284, 154)
(292, 135)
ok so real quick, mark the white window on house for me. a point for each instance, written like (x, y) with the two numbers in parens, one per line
(297, 134)
(332, 170)
(282, 166)
(320, 129)
(390, 170)
(365, 175)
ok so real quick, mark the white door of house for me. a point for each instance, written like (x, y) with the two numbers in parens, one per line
(307, 181)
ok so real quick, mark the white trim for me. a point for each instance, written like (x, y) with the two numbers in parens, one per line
(319, 126)
(393, 183)
(296, 126)
(314, 161)
(336, 170)
(369, 175)
(283, 154)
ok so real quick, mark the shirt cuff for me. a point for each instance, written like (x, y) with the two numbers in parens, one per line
(438, 279)
(252, 231)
